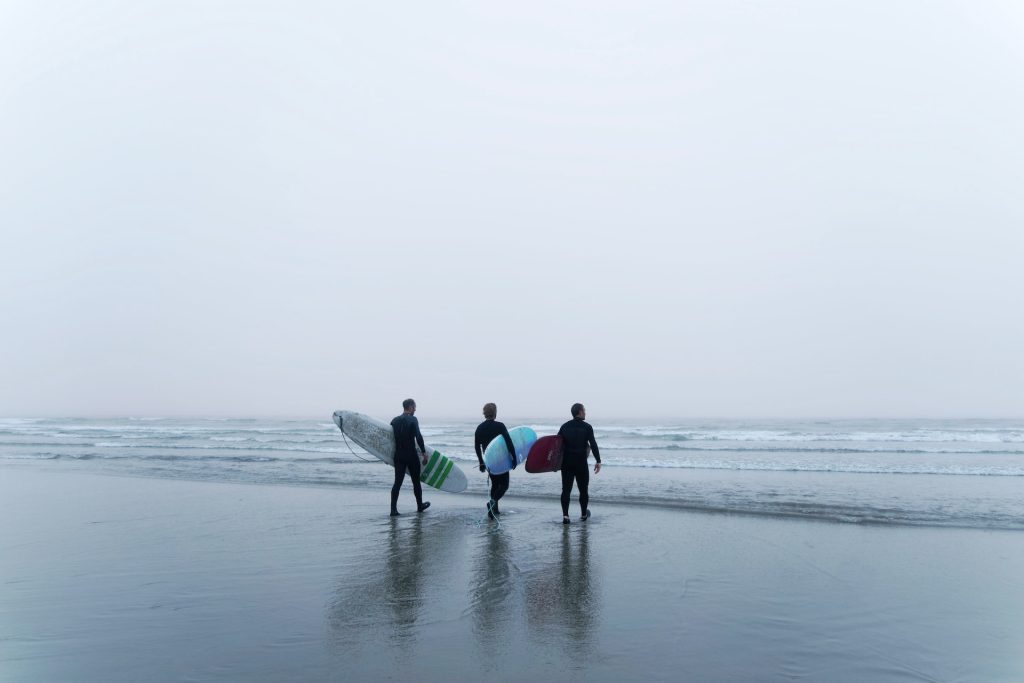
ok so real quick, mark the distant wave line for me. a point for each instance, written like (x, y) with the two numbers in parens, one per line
(460, 454)
(848, 468)
(675, 447)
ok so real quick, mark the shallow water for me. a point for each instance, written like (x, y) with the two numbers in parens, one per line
(123, 579)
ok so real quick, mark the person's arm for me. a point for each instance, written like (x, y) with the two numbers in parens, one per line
(593, 446)
(511, 446)
(397, 434)
(419, 438)
(478, 445)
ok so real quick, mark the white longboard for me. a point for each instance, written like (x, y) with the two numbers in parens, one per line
(378, 439)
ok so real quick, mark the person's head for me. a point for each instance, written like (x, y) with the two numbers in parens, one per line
(490, 411)
(409, 406)
(578, 410)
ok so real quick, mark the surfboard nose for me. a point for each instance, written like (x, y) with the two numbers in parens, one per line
(338, 417)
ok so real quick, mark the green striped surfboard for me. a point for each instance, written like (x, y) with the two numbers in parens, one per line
(377, 439)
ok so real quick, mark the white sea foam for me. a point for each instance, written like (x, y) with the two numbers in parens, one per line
(966, 436)
(894, 466)
(819, 466)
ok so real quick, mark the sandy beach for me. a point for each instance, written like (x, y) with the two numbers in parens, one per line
(107, 578)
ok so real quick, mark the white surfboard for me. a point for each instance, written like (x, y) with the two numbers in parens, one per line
(378, 439)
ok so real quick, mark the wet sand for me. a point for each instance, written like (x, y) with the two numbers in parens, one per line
(124, 579)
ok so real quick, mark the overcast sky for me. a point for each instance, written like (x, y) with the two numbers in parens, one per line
(660, 209)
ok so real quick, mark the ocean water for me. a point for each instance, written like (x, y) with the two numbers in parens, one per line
(957, 473)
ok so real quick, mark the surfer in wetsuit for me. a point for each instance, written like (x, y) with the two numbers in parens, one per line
(577, 436)
(407, 437)
(487, 431)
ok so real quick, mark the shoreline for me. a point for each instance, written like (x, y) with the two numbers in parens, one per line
(766, 494)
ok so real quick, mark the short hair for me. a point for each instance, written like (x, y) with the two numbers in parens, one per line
(408, 403)
(490, 411)
(576, 409)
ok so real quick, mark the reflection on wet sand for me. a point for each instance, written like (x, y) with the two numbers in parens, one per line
(403, 579)
(386, 597)
(492, 598)
(562, 598)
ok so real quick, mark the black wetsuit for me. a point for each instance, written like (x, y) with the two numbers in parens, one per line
(486, 432)
(407, 437)
(577, 435)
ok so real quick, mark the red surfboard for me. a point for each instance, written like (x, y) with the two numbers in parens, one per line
(545, 455)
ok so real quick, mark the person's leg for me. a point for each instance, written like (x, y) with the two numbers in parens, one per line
(492, 502)
(568, 473)
(415, 469)
(502, 486)
(397, 487)
(502, 481)
(582, 483)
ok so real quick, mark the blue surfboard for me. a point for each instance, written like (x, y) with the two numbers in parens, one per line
(496, 455)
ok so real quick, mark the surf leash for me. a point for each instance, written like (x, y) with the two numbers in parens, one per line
(356, 454)
(490, 516)
(489, 522)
